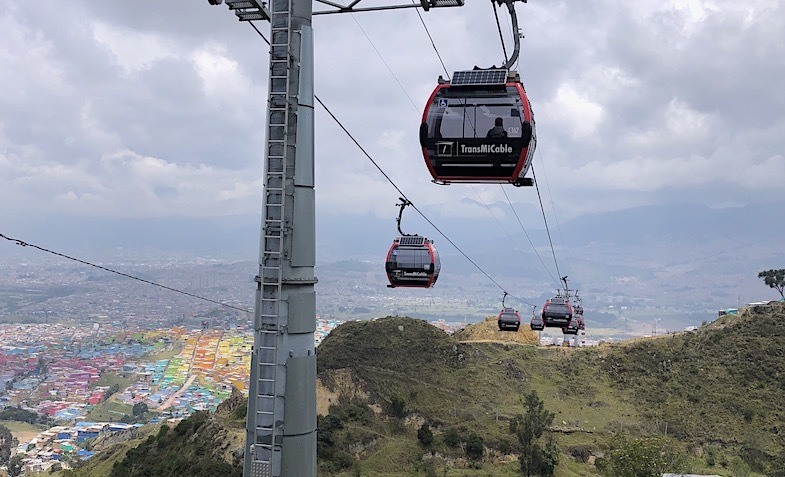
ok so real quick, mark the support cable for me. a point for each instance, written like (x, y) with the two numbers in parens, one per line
(385, 62)
(85, 262)
(555, 216)
(547, 229)
(403, 195)
(527, 235)
(499, 27)
(432, 42)
(479, 197)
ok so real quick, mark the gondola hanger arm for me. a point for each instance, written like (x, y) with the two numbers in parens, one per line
(404, 202)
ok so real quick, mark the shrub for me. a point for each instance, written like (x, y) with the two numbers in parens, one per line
(425, 435)
(452, 438)
(475, 447)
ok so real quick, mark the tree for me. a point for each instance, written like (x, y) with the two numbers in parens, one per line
(529, 427)
(632, 458)
(112, 389)
(774, 279)
(6, 439)
(778, 466)
(139, 409)
(15, 466)
(398, 407)
(452, 438)
(475, 447)
(425, 435)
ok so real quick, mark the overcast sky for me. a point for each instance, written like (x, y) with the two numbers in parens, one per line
(157, 108)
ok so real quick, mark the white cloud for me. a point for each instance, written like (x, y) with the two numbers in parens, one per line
(113, 109)
(132, 50)
(576, 113)
(129, 182)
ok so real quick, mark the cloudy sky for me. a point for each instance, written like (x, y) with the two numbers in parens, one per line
(157, 109)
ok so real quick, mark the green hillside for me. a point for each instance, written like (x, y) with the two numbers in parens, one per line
(204, 445)
(405, 399)
(715, 394)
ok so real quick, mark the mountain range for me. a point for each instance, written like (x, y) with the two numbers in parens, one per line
(686, 256)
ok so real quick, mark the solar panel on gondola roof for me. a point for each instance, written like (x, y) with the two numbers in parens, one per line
(412, 240)
(479, 77)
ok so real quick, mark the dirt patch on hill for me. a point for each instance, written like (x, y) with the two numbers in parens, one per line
(488, 331)
(334, 385)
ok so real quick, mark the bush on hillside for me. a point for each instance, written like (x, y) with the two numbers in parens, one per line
(475, 447)
(189, 449)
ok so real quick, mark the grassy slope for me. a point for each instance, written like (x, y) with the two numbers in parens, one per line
(23, 430)
(217, 436)
(722, 384)
(715, 387)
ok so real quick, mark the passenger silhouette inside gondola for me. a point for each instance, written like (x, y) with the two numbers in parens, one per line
(497, 131)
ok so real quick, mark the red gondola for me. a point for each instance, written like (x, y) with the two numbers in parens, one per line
(412, 260)
(479, 128)
(537, 323)
(572, 328)
(557, 312)
(509, 319)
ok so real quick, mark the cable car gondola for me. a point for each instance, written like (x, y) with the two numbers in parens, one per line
(536, 323)
(572, 328)
(479, 128)
(557, 312)
(509, 319)
(412, 260)
(578, 312)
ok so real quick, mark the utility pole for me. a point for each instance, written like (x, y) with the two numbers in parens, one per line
(281, 422)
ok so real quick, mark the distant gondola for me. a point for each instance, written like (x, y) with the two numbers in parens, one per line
(578, 312)
(509, 320)
(572, 328)
(557, 312)
(479, 128)
(537, 323)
